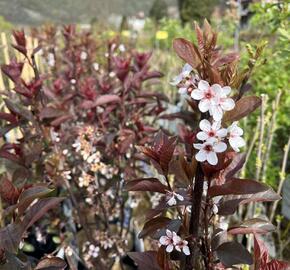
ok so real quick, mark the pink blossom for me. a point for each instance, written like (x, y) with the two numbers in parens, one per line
(168, 240)
(207, 150)
(182, 246)
(209, 130)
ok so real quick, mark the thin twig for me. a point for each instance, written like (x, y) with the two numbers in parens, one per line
(261, 137)
(282, 178)
(271, 133)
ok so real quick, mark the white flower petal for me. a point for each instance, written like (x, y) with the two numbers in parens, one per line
(216, 112)
(197, 94)
(216, 125)
(226, 90)
(205, 125)
(211, 141)
(179, 197)
(202, 136)
(215, 209)
(217, 89)
(186, 250)
(235, 130)
(203, 85)
(223, 132)
(239, 141)
(171, 201)
(204, 105)
(201, 156)
(164, 240)
(198, 146)
(211, 158)
(176, 239)
(236, 143)
(227, 104)
(187, 68)
(216, 199)
(169, 233)
(177, 79)
(169, 248)
(220, 147)
(178, 248)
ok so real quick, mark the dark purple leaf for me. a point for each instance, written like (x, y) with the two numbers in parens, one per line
(145, 260)
(152, 225)
(236, 186)
(146, 184)
(231, 253)
(186, 51)
(254, 225)
(235, 166)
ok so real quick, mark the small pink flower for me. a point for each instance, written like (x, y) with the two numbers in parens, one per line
(182, 245)
(207, 150)
(221, 103)
(168, 240)
(206, 95)
(213, 99)
(210, 131)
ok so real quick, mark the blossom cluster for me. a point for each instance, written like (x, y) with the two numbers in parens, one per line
(172, 241)
(84, 144)
(214, 100)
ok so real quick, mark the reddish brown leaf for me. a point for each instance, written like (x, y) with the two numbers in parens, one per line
(146, 184)
(182, 169)
(50, 112)
(226, 59)
(235, 165)
(8, 117)
(59, 120)
(149, 152)
(13, 70)
(276, 265)
(185, 50)
(10, 236)
(39, 209)
(104, 99)
(145, 260)
(19, 110)
(254, 225)
(236, 186)
(29, 195)
(261, 255)
(231, 253)
(162, 259)
(152, 225)
(219, 237)
(8, 191)
(166, 153)
(231, 203)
